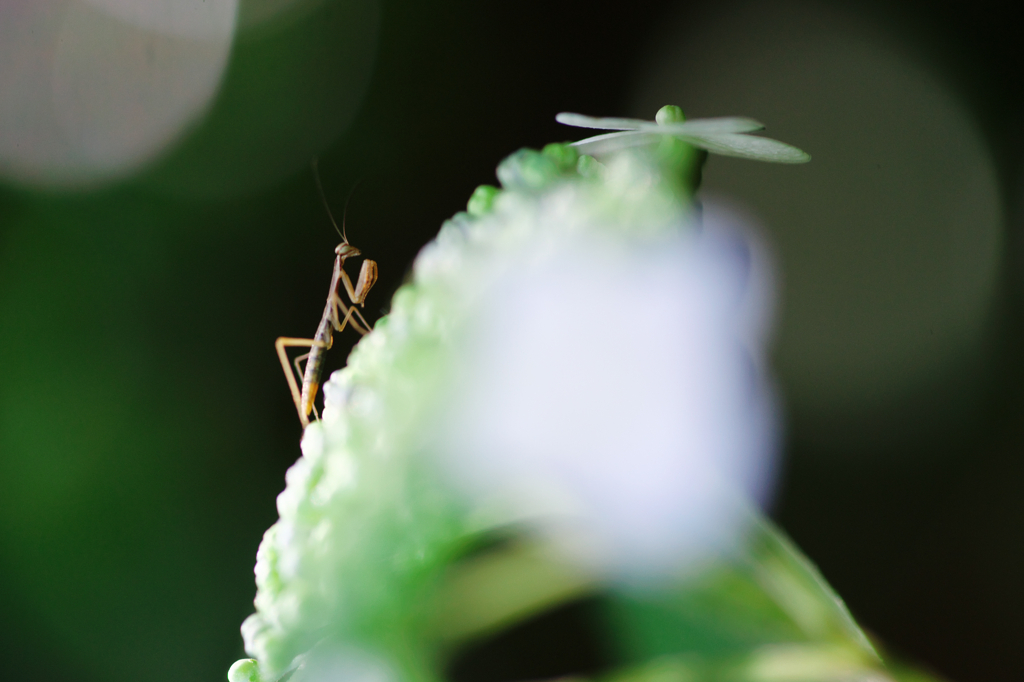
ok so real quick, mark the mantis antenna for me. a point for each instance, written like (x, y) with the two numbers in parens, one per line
(315, 164)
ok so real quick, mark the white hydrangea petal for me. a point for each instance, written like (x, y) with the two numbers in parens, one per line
(606, 383)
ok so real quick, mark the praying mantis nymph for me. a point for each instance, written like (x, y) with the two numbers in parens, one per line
(331, 321)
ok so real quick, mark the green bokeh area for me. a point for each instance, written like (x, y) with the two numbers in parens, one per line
(128, 506)
(145, 425)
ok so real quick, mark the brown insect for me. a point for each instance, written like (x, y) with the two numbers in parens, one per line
(333, 320)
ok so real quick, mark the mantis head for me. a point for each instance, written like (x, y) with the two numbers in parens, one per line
(346, 250)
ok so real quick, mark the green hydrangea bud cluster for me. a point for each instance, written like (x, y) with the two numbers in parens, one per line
(365, 525)
(369, 528)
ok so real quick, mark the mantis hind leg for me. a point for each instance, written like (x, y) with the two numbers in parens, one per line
(286, 342)
(298, 359)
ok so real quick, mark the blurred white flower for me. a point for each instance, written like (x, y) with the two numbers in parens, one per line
(333, 663)
(614, 393)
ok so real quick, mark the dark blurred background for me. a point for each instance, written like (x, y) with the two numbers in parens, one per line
(159, 228)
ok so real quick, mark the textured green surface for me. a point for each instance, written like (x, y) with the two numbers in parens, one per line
(369, 532)
(366, 527)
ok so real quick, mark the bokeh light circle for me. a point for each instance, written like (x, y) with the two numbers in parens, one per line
(92, 90)
(295, 84)
(889, 240)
